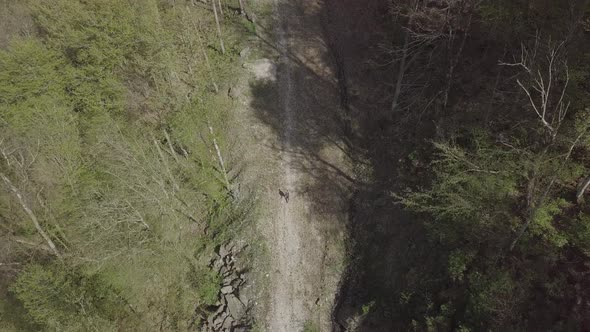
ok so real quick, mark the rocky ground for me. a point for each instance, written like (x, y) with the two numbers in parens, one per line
(233, 306)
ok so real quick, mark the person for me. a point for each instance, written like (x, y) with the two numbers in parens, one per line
(284, 194)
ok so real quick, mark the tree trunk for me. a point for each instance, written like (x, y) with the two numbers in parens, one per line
(220, 8)
(204, 52)
(242, 9)
(219, 157)
(400, 75)
(31, 215)
(218, 26)
(582, 190)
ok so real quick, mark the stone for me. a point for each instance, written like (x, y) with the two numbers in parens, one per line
(237, 283)
(227, 289)
(229, 321)
(235, 307)
(234, 92)
(245, 52)
(240, 329)
(218, 264)
(229, 279)
(263, 69)
(220, 310)
(222, 251)
(217, 322)
(244, 299)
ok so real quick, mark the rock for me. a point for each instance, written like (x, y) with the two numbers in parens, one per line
(218, 264)
(217, 322)
(236, 283)
(222, 251)
(210, 320)
(227, 289)
(235, 307)
(229, 279)
(244, 299)
(220, 310)
(227, 324)
(263, 69)
(245, 52)
(241, 245)
(240, 329)
(234, 92)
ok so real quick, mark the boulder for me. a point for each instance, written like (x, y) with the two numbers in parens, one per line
(234, 92)
(220, 310)
(227, 324)
(218, 321)
(218, 264)
(229, 279)
(263, 69)
(235, 306)
(236, 282)
(227, 289)
(222, 251)
(245, 52)
(244, 299)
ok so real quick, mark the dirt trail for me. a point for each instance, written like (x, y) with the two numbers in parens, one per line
(287, 312)
(290, 131)
(288, 309)
(301, 290)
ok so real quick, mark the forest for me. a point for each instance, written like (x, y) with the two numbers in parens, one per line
(471, 121)
(465, 126)
(111, 194)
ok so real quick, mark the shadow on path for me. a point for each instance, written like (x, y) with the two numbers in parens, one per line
(340, 138)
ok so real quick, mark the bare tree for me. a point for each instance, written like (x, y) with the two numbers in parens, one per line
(242, 8)
(219, 156)
(545, 86)
(218, 26)
(30, 213)
(220, 8)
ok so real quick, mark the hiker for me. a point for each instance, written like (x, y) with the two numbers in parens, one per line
(284, 195)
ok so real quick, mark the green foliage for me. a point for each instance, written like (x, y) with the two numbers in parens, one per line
(579, 233)
(458, 264)
(207, 284)
(474, 190)
(28, 70)
(543, 222)
(63, 298)
(104, 128)
(493, 295)
(475, 206)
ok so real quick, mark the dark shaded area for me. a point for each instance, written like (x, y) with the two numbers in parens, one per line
(397, 274)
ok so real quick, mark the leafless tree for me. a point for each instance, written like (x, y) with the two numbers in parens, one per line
(545, 85)
(218, 26)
